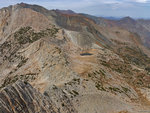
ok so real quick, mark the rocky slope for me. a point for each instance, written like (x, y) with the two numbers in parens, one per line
(140, 27)
(145, 23)
(61, 62)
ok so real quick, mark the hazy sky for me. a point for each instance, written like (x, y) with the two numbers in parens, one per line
(119, 8)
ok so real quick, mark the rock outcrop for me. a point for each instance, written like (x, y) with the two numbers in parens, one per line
(21, 97)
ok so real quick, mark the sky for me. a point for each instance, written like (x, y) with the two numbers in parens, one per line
(106, 8)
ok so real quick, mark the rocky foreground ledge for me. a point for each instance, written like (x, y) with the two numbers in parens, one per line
(21, 97)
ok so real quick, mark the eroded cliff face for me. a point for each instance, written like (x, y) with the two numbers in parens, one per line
(66, 63)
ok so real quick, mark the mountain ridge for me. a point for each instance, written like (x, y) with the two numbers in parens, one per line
(71, 63)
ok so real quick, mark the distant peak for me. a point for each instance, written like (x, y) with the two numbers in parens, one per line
(127, 18)
(65, 11)
(23, 4)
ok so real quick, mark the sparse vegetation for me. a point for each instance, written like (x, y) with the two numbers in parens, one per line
(115, 89)
(74, 81)
(134, 55)
(102, 72)
(23, 61)
(27, 34)
(13, 79)
(75, 92)
(122, 90)
(147, 69)
(99, 86)
(118, 66)
(77, 80)
(126, 90)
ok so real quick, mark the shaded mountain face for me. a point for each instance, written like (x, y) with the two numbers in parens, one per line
(54, 61)
(135, 26)
(145, 23)
(140, 27)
